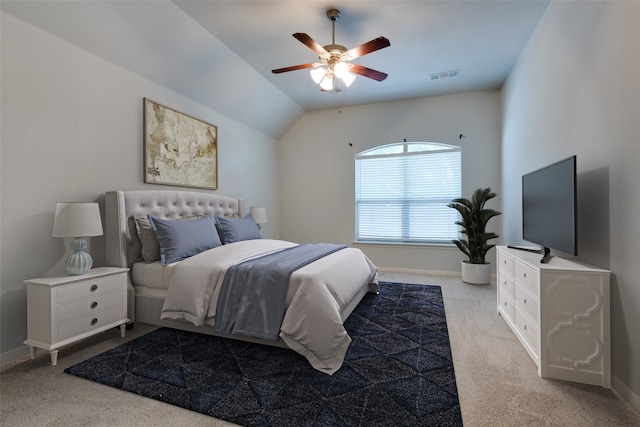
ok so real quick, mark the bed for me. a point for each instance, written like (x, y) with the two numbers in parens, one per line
(319, 297)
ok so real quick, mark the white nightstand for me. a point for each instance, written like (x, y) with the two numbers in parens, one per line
(62, 310)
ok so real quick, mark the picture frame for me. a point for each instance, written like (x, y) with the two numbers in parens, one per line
(179, 149)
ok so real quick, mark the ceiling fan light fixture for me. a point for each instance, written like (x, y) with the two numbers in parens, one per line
(327, 82)
(317, 74)
(341, 69)
(348, 78)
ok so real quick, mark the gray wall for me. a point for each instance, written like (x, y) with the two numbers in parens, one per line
(317, 167)
(71, 130)
(576, 90)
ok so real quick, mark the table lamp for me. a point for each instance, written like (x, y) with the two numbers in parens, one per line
(259, 215)
(77, 220)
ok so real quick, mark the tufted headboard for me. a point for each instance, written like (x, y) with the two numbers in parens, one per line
(123, 245)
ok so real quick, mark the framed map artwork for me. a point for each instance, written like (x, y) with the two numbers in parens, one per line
(179, 149)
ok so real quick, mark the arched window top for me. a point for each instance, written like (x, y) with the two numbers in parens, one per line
(407, 148)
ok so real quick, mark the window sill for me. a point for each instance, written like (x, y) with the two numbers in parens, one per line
(406, 244)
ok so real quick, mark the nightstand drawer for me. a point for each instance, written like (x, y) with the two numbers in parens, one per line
(89, 305)
(528, 276)
(89, 322)
(89, 287)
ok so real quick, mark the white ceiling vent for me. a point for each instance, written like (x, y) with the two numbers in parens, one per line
(444, 74)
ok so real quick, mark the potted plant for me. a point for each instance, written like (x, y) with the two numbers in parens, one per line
(474, 219)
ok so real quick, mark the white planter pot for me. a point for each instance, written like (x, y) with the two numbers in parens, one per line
(476, 274)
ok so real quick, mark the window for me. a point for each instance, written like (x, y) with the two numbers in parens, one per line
(402, 192)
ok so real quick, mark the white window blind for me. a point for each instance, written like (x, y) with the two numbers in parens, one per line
(402, 192)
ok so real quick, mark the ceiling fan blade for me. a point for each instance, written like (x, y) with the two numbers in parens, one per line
(368, 72)
(293, 68)
(368, 47)
(310, 43)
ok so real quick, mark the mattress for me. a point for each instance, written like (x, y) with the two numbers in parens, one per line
(152, 275)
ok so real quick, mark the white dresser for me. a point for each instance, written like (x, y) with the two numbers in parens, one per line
(61, 310)
(560, 313)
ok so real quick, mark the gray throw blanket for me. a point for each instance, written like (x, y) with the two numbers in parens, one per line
(253, 294)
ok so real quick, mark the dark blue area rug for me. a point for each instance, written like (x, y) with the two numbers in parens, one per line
(398, 370)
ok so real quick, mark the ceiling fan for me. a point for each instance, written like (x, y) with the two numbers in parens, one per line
(334, 59)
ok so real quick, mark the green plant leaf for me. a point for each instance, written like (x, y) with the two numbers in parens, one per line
(474, 219)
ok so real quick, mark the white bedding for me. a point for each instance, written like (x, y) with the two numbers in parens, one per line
(151, 274)
(318, 292)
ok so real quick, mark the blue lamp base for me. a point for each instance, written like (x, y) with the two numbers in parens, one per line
(79, 262)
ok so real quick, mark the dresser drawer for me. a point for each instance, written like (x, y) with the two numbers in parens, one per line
(506, 284)
(527, 328)
(89, 287)
(528, 276)
(505, 263)
(90, 322)
(506, 306)
(86, 306)
(528, 301)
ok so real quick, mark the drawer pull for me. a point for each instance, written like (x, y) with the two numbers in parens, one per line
(525, 327)
(524, 301)
(94, 305)
(94, 288)
(94, 321)
(525, 275)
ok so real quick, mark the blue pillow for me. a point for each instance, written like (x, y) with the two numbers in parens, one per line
(237, 229)
(180, 239)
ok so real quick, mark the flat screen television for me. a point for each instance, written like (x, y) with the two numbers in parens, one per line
(549, 208)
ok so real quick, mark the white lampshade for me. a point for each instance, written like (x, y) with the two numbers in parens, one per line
(348, 78)
(327, 82)
(77, 220)
(317, 74)
(259, 214)
(340, 69)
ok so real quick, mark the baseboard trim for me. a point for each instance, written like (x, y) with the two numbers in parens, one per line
(11, 355)
(419, 271)
(625, 393)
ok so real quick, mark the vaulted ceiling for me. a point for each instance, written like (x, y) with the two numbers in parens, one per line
(221, 53)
